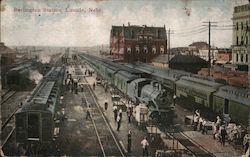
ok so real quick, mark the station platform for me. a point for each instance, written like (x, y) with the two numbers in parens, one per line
(212, 145)
(205, 141)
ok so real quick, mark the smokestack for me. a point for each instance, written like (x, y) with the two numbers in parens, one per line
(128, 23)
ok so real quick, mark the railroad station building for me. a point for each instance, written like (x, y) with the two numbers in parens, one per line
(241, 45)
(137, 43)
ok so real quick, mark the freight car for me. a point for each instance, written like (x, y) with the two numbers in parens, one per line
(35, 119)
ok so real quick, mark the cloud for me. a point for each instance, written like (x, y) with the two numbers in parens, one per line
(87, 29)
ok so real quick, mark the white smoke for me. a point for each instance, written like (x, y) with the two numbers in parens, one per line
(35, 76)
(43, 58)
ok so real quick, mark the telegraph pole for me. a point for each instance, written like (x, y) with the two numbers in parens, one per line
(168, 43)
(209, 45)
(169, 32)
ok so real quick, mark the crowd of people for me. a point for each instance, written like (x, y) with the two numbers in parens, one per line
(223, 130)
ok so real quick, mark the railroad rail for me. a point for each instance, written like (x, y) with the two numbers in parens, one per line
(106, 138)
(7, 95)
(9, 135)
(192, 146)
(9, 108)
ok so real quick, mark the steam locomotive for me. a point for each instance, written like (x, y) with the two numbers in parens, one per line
(137, 86)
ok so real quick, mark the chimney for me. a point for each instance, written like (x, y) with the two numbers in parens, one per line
(128, 23)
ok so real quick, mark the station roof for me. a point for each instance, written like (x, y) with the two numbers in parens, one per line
(186, 59)
(163, 58)
(165, 73)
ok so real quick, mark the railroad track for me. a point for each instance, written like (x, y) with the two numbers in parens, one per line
(106, 138)
(9, 108)
(7, 96)
(193, 147)
(7, 136)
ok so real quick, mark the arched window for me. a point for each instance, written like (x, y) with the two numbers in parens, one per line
(128, 50)
(145, 49)
(154, 50)
(137, 49)
(162, 49)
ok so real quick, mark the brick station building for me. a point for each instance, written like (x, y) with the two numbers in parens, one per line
(137, 43)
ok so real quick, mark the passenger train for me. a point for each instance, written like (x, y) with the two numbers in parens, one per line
(138, 87)
(190, 90)
(34, 120)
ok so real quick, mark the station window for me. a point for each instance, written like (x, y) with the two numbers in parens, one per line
(246, 25)
(246, 40)
(241, 25)
(242, 41)
(154, 50)
(145, 50)
(237, 40)
(137, 49)
(246, 58)
(237, 57)
(241, 57)
(237, 26)
(162, 49)
(129, 50)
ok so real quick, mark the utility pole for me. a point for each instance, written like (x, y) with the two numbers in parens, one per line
(168, 43)
(209, 45)
(169, 32)
(209, 48)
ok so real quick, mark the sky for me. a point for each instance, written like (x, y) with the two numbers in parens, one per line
(88, 22)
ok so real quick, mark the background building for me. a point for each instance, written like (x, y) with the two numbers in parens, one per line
(201, 49)
(8, 55)
(137, 43)
(241, 20)
(223, 56)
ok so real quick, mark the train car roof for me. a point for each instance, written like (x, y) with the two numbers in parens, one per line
(234, 94)
(141, 79)
(202, 85)
(127, 75)
(20, 67)
(165, 73)
(40, 99)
